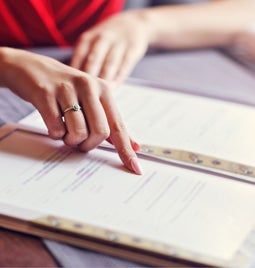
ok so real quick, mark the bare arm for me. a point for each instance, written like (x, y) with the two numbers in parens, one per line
(111, 48)
(213, 23)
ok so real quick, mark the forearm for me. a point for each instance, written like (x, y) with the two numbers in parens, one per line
(214, 23)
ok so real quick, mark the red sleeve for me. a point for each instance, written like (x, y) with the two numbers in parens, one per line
(50, 22)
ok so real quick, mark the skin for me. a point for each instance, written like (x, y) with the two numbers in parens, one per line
(112, 48)
(52, 87)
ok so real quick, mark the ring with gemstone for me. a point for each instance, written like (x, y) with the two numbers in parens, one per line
(75, 107)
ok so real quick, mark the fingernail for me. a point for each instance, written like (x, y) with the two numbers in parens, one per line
(136, 146)
(136, 166)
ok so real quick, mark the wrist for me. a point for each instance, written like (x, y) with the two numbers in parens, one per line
(144, 19)
(195, 26)
(162, 31)
(182, 27)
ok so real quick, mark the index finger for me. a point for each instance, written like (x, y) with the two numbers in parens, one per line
(119, 135)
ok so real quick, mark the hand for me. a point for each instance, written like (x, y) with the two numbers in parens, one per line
(52, 87)
(111, 49)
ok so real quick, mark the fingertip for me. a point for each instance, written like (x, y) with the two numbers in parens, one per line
(130, 160)
(135, 165)
(76, 137)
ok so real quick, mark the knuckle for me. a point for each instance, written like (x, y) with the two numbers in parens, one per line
(92, 56)
(56, 134)
(45, 91)
(102, 133)
(80, 134)
(76, 137)
(125, 151)
(65, 87)
(109, 61)
(104, 35)
(118, 128)
(82, 80)
(55, 129)
(84, 37)
(132, 44)
(88, 146)
(128, 60)
(105, 87)
(84, 83)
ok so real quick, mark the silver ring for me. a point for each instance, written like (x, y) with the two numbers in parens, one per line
(76, 107)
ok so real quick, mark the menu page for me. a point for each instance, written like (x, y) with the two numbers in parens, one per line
(195, 211)
(169, 119)
(192, 123)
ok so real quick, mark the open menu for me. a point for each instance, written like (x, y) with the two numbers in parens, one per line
(171, 212)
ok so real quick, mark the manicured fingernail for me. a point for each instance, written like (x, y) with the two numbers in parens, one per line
(136, 146)
(136, 166)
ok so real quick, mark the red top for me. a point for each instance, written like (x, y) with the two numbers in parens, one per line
(29, 23)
